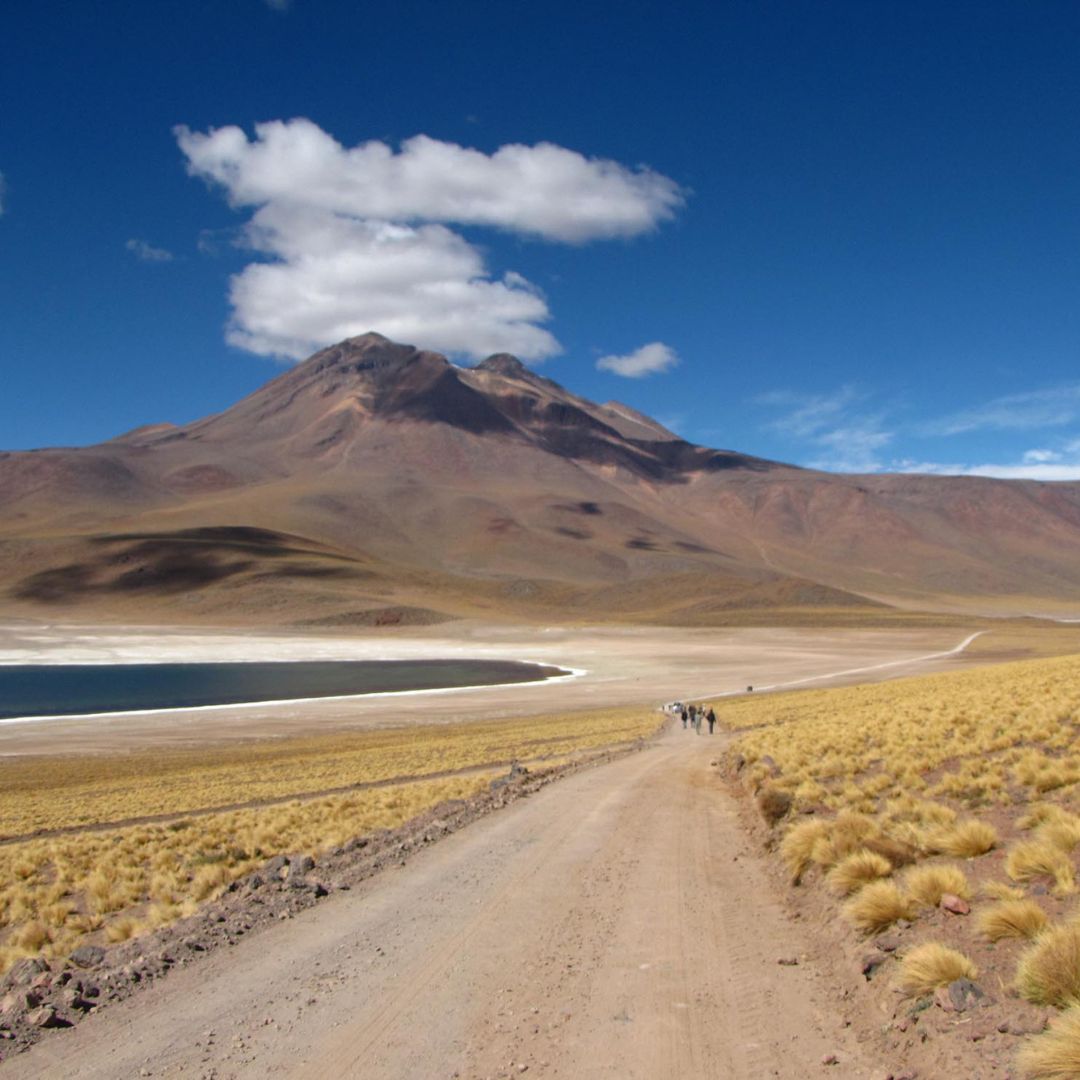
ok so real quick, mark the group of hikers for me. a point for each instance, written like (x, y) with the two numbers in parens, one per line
(695, 715)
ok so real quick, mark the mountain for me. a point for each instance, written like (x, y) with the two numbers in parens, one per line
(375, 482)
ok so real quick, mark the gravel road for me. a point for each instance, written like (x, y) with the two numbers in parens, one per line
(615, 924)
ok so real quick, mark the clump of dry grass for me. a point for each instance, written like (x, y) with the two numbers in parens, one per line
(1038, 858)
(797, 847)
(854, 871)
(1062, 834)
(1049, 972)
(877, 906)
(773, 803)
(927, 884)
(898, 852)
(963, 840)
(929, 966)
(122, 929)
(1011, 919)
(1055, 1054)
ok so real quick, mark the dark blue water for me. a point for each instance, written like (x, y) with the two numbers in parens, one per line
(43, 690)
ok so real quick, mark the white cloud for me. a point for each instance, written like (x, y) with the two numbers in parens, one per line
(845, 440)
(1040, 457)
(1014, 412)
(543, 190)
(145, 252)
(357, 239)
(853, 447)
(1023, 471)
(648, 360)
(335, 277)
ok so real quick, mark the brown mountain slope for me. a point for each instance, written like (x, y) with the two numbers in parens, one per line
(377, 478)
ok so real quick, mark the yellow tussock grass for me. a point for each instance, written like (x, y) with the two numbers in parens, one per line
(1049, 972)
(877, 906)
(797, 847)
(927, 884)
(1062, 834)
(1037, 858)
(1011, 919)
(963, 840)
(856, 870)
(123, 928)
(1055, 1054)
(929, 966)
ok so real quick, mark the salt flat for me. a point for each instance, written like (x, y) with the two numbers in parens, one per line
(617, 665)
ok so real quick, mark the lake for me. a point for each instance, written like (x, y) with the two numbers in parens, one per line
(68, 690)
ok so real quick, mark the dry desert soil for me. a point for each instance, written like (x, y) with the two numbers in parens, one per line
(622, 922)
(615, 924)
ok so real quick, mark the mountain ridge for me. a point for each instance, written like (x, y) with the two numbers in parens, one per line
(494, 488)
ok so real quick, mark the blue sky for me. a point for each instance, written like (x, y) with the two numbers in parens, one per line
(839, 234)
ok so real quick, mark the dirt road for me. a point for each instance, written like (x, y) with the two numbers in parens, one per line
(615, 924)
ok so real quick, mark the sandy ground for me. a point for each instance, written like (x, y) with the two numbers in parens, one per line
(622, 666)
(616, 924)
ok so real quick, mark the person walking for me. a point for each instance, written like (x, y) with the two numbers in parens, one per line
(711, 717)
(685, 717)
(697, 720)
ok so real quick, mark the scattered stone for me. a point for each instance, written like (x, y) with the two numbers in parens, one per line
(957, 905)
(871, 961)
(274, 867)
(830, 1059)
(887, 943)
(25, 971)
(46, 1017)
(88, 956)
(921, 1005)
(959, 996)
(1019, 1026)
(788, 961)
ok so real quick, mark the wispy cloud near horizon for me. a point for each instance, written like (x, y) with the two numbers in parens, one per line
(841, 436)
(1023, 470)
(1051, 407)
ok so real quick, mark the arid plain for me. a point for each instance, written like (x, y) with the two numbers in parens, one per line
(861, 867)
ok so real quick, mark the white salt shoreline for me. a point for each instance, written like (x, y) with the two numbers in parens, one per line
(568, 673)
